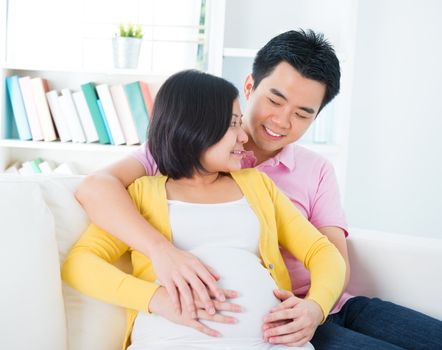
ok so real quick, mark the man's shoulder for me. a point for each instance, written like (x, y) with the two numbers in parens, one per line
(306, 158)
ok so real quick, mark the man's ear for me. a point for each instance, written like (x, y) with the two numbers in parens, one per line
(248, 86)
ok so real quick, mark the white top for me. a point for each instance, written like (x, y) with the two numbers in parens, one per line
(226, 237)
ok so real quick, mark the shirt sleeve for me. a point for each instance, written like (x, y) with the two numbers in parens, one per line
(314, 250)
(327, 209)
(143, 155)
(89, 269)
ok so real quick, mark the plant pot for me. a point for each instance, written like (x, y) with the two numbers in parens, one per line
(126, 51)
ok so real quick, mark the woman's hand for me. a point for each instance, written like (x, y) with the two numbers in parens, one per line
(293, 322)
(184, 275)
(161, 305)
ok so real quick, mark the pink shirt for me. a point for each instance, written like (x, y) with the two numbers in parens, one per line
(309, 181)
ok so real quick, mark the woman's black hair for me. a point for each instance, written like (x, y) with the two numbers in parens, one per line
(192, 111)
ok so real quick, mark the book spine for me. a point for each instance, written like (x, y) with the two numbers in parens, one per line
(106, 125)
(110, 114)
(91, 99)
(31, 108)
(138, 109)
(18, 108)
(39, 89)
(147, 96)
(85, 116)
(125, 115)
(59, 118)
(69, 110)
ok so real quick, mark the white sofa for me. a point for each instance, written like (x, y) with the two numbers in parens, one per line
(40, 220)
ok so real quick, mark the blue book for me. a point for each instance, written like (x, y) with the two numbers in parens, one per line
(18, 108)
(9, 125)
(106, 124)
(138, 109)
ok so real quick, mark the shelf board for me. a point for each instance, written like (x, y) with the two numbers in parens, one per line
(79, 70)
(68, 146)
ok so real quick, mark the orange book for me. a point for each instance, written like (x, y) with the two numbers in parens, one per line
(147, 97)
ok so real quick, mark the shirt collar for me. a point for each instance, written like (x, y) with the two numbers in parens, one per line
(286, 157)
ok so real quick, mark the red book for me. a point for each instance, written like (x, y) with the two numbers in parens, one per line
(147, 97)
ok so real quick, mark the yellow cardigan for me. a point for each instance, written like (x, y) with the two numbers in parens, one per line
(89, 269)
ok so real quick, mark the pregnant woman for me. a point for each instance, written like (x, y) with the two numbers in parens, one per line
(233, 220)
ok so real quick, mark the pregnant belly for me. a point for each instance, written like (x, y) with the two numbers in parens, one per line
(240, 270)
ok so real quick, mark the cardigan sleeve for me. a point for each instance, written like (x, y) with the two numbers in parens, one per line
(314, 250)
(89, 269)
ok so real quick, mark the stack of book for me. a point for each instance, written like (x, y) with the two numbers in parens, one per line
(40, 166)
(117, 114)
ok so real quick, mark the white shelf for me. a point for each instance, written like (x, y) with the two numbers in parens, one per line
(79, 70)
(68, 146)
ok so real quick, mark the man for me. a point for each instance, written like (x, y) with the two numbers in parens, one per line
(294, 76)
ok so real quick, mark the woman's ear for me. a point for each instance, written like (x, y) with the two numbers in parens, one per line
(248, 86)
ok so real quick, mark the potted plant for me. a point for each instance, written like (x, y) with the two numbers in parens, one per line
(126, 46)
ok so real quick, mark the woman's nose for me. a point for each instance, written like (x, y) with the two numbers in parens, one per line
(242, 136)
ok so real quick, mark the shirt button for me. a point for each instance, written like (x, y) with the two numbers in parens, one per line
(271, 266)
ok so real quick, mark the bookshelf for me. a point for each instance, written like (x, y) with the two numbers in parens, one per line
(161, 28)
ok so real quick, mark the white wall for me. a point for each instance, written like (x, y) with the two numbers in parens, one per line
(394, 179)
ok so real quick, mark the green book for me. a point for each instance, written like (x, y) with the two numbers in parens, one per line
(91, 100)
(34, 164)
(138, 109)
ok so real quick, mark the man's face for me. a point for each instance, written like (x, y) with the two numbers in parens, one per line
(280, 109)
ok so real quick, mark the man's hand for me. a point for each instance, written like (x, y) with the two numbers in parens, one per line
(293, 322)
(161, 305)
(184, 275)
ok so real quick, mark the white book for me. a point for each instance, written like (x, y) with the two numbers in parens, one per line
(124, 114)
(66, 169)
(13, 168)
(111, 114)
(68, 108)
(46, 167)
(26, 169)
(40, 87)
(60, 120)
(85, 116)
(31, 108)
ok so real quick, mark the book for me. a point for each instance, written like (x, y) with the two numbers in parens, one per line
(18, 108)
(110, 114)
(40, 87)
(91, 99)
(147, 96)
(70, 113)
(13, 168)
(31, 108)
(47, 167)
(66, 169)
(106, 125)
(138, 109)
(26, 169)
(9, 125)
(85, 117)
(125, 115)
(35, 165)
(59, 118)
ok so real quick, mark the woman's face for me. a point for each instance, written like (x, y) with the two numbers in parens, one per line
(226, 154)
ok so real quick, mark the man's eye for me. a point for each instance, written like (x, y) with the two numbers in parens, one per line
(273, 102)
(233, 124)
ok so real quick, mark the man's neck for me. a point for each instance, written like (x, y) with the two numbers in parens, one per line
(260, 154)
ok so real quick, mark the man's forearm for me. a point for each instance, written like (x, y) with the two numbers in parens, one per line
(110, 207)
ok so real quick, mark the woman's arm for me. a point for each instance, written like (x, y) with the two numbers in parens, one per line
(105, 199)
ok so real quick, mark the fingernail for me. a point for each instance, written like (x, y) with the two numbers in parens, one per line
(212, 311)
(221, 297)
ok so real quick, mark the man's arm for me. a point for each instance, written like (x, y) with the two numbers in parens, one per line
(104, 197)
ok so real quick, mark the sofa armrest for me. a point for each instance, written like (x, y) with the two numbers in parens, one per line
(399, 268)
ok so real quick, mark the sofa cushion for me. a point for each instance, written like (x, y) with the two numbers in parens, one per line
(32, 312)
(91, 324)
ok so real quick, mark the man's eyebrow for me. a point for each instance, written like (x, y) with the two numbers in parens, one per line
(280, 94)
